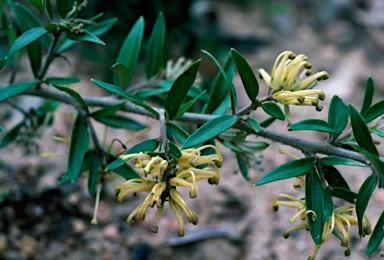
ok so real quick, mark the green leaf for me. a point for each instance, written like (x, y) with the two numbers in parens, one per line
(344, 194)
(335, 160)
(288, 170)
(376, 237)
(98, 30)
(25, 39)
(119, 121)
(253, 146)
(61, 81)
(312, 124)
(180, 89)
(36, 3)
(124, 170)
(185, 107)
(254, 124)
(267, 122)
(77, 148)
(102, 27)
(11, 135)
(273, 110)
(174, 150)
(91, 163)
(210, 130)
(242, 163)
(145, 146)
(378, 164)
(107, 111)
(121, 73)
(177, 131)
(334, 177)
(155, 48)
(328, 206)
(314, 199)
(231, 87)
(63, 7)
(85, 36)
(75, 95)
(362, 200)
(1, 129)
(361, 132)
(129, 51)
(374, 111)
(337, 115)
(220, 90)
(246, 74)
(135, 100)
(368, 96)
(15, 89)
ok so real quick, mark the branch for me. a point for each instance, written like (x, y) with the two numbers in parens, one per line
(305, 146)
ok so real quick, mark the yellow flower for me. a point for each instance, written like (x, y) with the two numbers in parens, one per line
(161, 177)
(288, 83)
(339, 224)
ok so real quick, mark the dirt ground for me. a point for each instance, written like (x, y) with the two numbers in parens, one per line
(41, 219)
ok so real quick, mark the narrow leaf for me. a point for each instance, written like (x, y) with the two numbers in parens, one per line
(328, 206)
(374, 111)
(335, 160)
(91, 163)
(145, 146)
(26, 38)
(75, 95)
(185, 107)
(288, 170)
(361, 132)
(246, 74)
(63, 7)
(177, 131)
(174, 150)
(337, 115)
(61, 81)
(368, 96)
(180, 89)
(312, 124)
(210, 130)
(15, 89)
(155, 48)
(314, 199)
(273, 110)
(121, 73)
(124, 170)
(376, 237)
(231, 87)
(219, 89)
(118, 91)
(122, 122)
(77, 148)
(362, 200)
(344, 194)
(129, 51)
(11, 135)
(378, 164)
(85, 36)
(107, 111)
(334, 177)
(254, 124)
(242, 163)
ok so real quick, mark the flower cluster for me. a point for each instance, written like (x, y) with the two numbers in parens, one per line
(290, 82)
(161, 177)
(339, 224)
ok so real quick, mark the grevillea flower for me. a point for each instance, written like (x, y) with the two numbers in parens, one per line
(339, 224)
(290, 82)
(160, 178)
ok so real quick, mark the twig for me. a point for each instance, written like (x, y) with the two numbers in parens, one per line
(194, 118)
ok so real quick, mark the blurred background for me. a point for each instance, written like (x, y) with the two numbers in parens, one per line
(40, 219)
